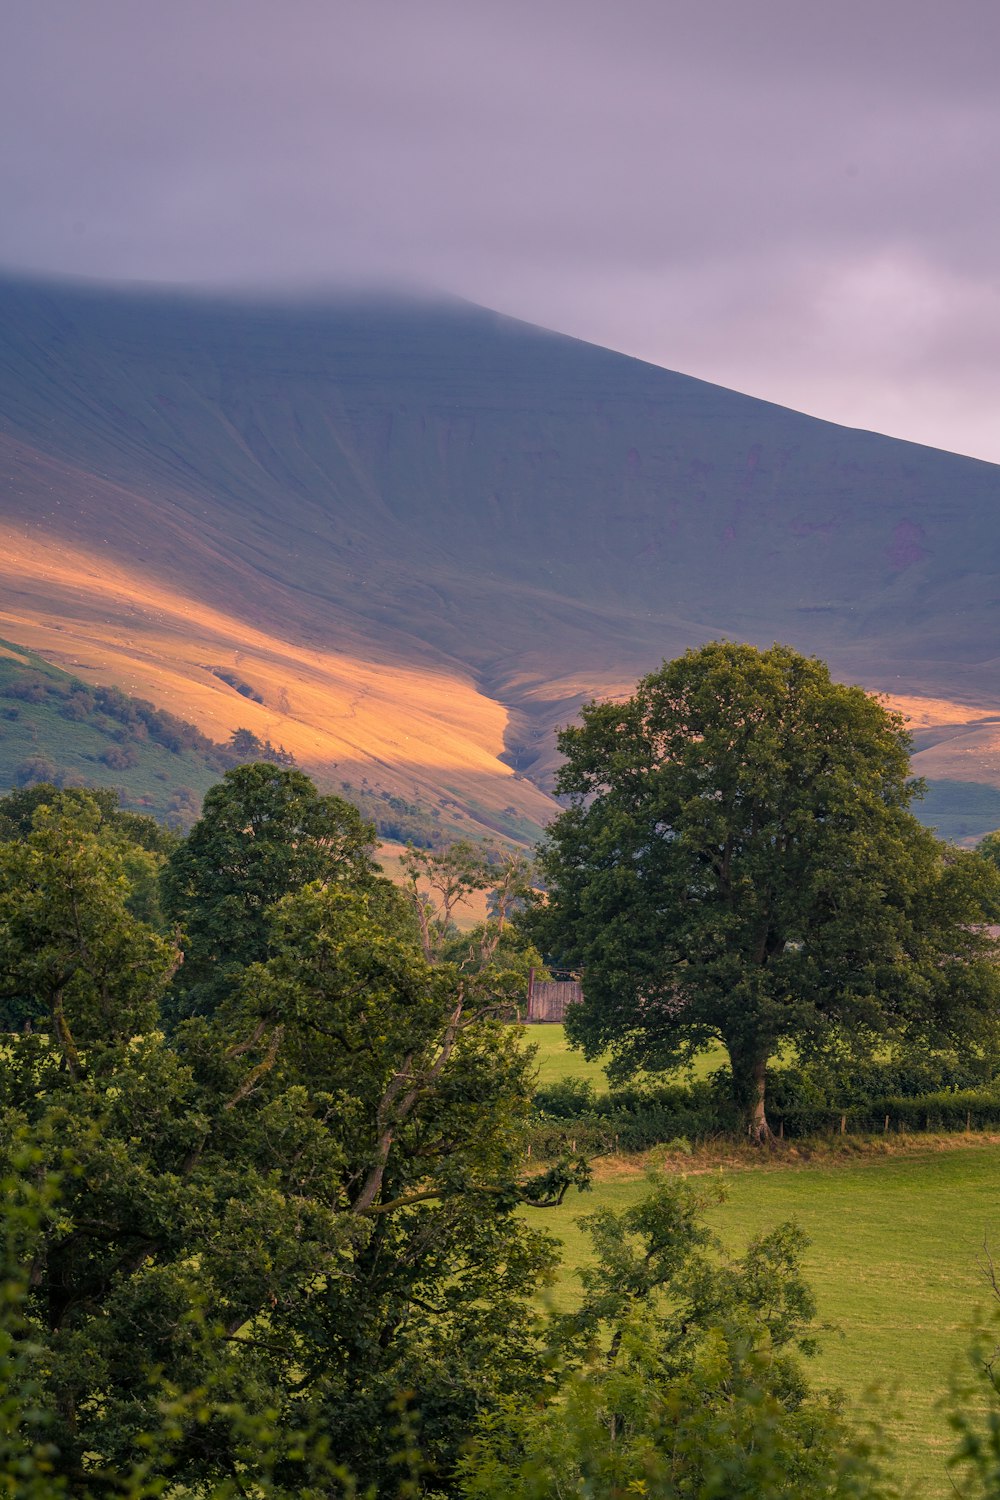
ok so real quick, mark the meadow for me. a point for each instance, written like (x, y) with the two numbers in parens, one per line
(895, 1259)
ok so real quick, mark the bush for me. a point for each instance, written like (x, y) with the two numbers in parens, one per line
(630, 1118)
(119, 757)
(944, 1109)
(35, 768)
(78, 706)
(29, 687)
(566, 1100)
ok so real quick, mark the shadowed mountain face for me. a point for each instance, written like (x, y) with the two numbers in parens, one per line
(423, 534)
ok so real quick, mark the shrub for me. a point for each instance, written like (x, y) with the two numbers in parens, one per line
(29, 687)
(35, 768)
(119, 757)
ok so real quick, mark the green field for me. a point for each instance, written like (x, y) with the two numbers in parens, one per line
(556, 1060)
(894, 1262)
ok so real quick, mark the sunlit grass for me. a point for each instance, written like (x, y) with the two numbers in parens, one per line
(557, 1060)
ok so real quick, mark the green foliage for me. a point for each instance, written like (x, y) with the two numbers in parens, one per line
(74, 958)
(973, 1410)
(290, 1241)
(264, 831)
(930, 1092)
(738, 863)
(32, 1465)
(142, 843)
(438, 881)
(680, 1376)
(989, 847)
(629, 1119)
(495, 959)
(26, 1458)
(289, 1213)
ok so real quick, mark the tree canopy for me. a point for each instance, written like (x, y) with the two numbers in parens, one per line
(283, 1247)
(264, 832)
(74, 956)
(738, 863)
(305, 1203)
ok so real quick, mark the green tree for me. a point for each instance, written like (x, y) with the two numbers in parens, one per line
(142, 843)
(32, 1465)
(989, 847)
(300, 1207)
(437, 882)
(495, 957)
(738, 864)
(264, 831)
(74, 957)
(510, 888)
(681, 1376)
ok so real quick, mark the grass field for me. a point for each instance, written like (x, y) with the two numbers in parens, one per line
(556, 1060)
(896, 1242)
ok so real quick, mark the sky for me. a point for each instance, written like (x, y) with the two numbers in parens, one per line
(798, 200)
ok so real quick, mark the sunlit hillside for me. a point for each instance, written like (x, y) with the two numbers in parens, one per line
(407, 540)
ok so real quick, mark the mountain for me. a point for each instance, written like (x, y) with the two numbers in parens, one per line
(408, 538)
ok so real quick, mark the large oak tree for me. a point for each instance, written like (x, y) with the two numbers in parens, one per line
(738, 863)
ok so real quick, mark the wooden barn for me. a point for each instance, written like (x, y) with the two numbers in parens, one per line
(548, 998)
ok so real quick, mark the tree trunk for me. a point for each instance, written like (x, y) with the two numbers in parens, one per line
(749, 1069)
(757, 1127)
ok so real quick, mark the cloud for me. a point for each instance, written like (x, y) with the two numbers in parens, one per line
(796, 200)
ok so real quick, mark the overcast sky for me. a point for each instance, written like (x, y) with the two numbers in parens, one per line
(799, 200)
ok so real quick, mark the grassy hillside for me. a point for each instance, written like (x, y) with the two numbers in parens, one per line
(56, 727)
(423, 534)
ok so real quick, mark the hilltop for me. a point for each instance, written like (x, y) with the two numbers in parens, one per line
(406, 539)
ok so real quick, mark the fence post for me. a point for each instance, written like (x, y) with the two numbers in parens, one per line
(843, 1124)
(885, 1127)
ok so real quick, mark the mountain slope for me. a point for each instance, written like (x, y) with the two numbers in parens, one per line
(424, 534)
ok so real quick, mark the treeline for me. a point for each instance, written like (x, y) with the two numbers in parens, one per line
(395, 818)
(129, 721)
